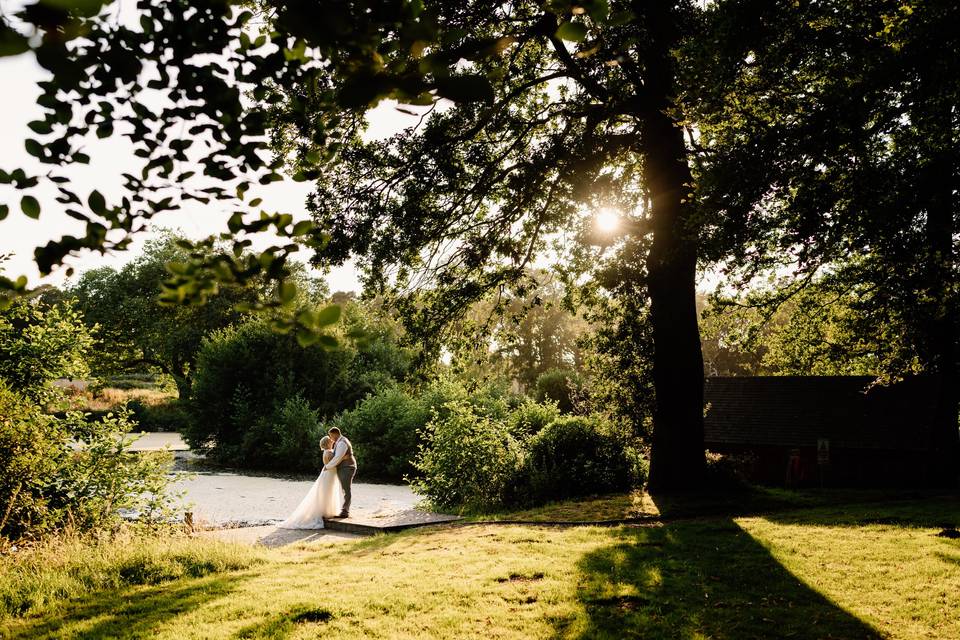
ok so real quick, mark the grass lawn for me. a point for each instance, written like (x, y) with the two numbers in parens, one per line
(854, 571)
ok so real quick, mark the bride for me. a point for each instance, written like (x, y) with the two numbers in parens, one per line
(324, 500)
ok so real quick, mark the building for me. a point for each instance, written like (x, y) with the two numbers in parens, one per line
(822, 430)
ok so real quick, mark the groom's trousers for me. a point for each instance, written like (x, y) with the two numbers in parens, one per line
(346, 481)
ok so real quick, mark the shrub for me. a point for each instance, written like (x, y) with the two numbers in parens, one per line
(165, 416)
(561, 386)
(297, 432)
(30, 446)
(385, 430)
(70, 471)
(245, 374)
(469, 463)
(577, 456)
(530, 417)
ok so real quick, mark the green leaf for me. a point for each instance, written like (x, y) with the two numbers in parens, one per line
(327, 341)
(41, 127)
(288, 291)
(572, 31)
(598, 10)
(469, 88)
(33, 147)
(302, 228)
(96, 202)
(328, 315)
(30, 207)
(307, 338)
(11, 42)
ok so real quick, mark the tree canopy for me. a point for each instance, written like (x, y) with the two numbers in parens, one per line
(746, 133)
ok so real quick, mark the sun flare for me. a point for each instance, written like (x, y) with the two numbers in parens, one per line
(607, 220)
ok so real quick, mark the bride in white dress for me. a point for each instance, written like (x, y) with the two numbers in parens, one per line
(324, 500)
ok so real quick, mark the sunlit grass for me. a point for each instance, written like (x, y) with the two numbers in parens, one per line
(864, 571)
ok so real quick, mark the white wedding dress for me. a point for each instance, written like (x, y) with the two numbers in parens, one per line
(324, 500)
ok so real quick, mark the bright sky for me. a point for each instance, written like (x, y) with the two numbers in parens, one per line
(19, 235)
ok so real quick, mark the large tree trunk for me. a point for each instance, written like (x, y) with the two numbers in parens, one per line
(945, 438)
(934, 116)
(677, 454)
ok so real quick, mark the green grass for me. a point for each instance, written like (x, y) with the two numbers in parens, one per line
(749, 500)
(839, 571)
(40, 579)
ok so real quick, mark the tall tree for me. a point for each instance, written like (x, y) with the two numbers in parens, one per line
(135, 331)
(582, 115)
(559, 106)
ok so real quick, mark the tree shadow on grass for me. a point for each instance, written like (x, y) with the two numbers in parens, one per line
(282, 625)
(938, 512)
(699, 580)
(127, 613)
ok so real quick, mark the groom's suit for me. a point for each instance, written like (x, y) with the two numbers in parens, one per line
(346, 466)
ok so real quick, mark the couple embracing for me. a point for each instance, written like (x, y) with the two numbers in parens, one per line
(330, 495)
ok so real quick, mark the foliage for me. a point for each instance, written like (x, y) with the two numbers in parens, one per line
(386, 428)
(856, 95)
(170, 416)
(530, 417)
(258, 395)
(296, 432)
(470, 461)
(577, 456)
(40, 343)
(30, 445)
(518, 337)
(41, 578)
(466, 202)
(135, 332)
(476, 460)
(560, 386)
(73, 472)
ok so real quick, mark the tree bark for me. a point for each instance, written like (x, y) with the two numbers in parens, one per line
(934, 117)
(677, 453)
(945, 437)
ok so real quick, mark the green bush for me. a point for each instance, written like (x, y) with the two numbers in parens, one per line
(385, 430)
(470, 461)
(166, 416)
(577, 456)
(73, 472)
(530, 417)
(297, 436)
(561, 386)
(31, 444)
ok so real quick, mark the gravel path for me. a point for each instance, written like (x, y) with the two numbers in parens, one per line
(220, 497)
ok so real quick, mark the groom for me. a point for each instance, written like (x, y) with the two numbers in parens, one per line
(345, 464)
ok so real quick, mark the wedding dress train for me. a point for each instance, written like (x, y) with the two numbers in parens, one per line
(324, 500)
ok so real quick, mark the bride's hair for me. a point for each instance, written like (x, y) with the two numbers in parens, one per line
(324, 442)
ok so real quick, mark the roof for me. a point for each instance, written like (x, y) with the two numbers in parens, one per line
(795, 411)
